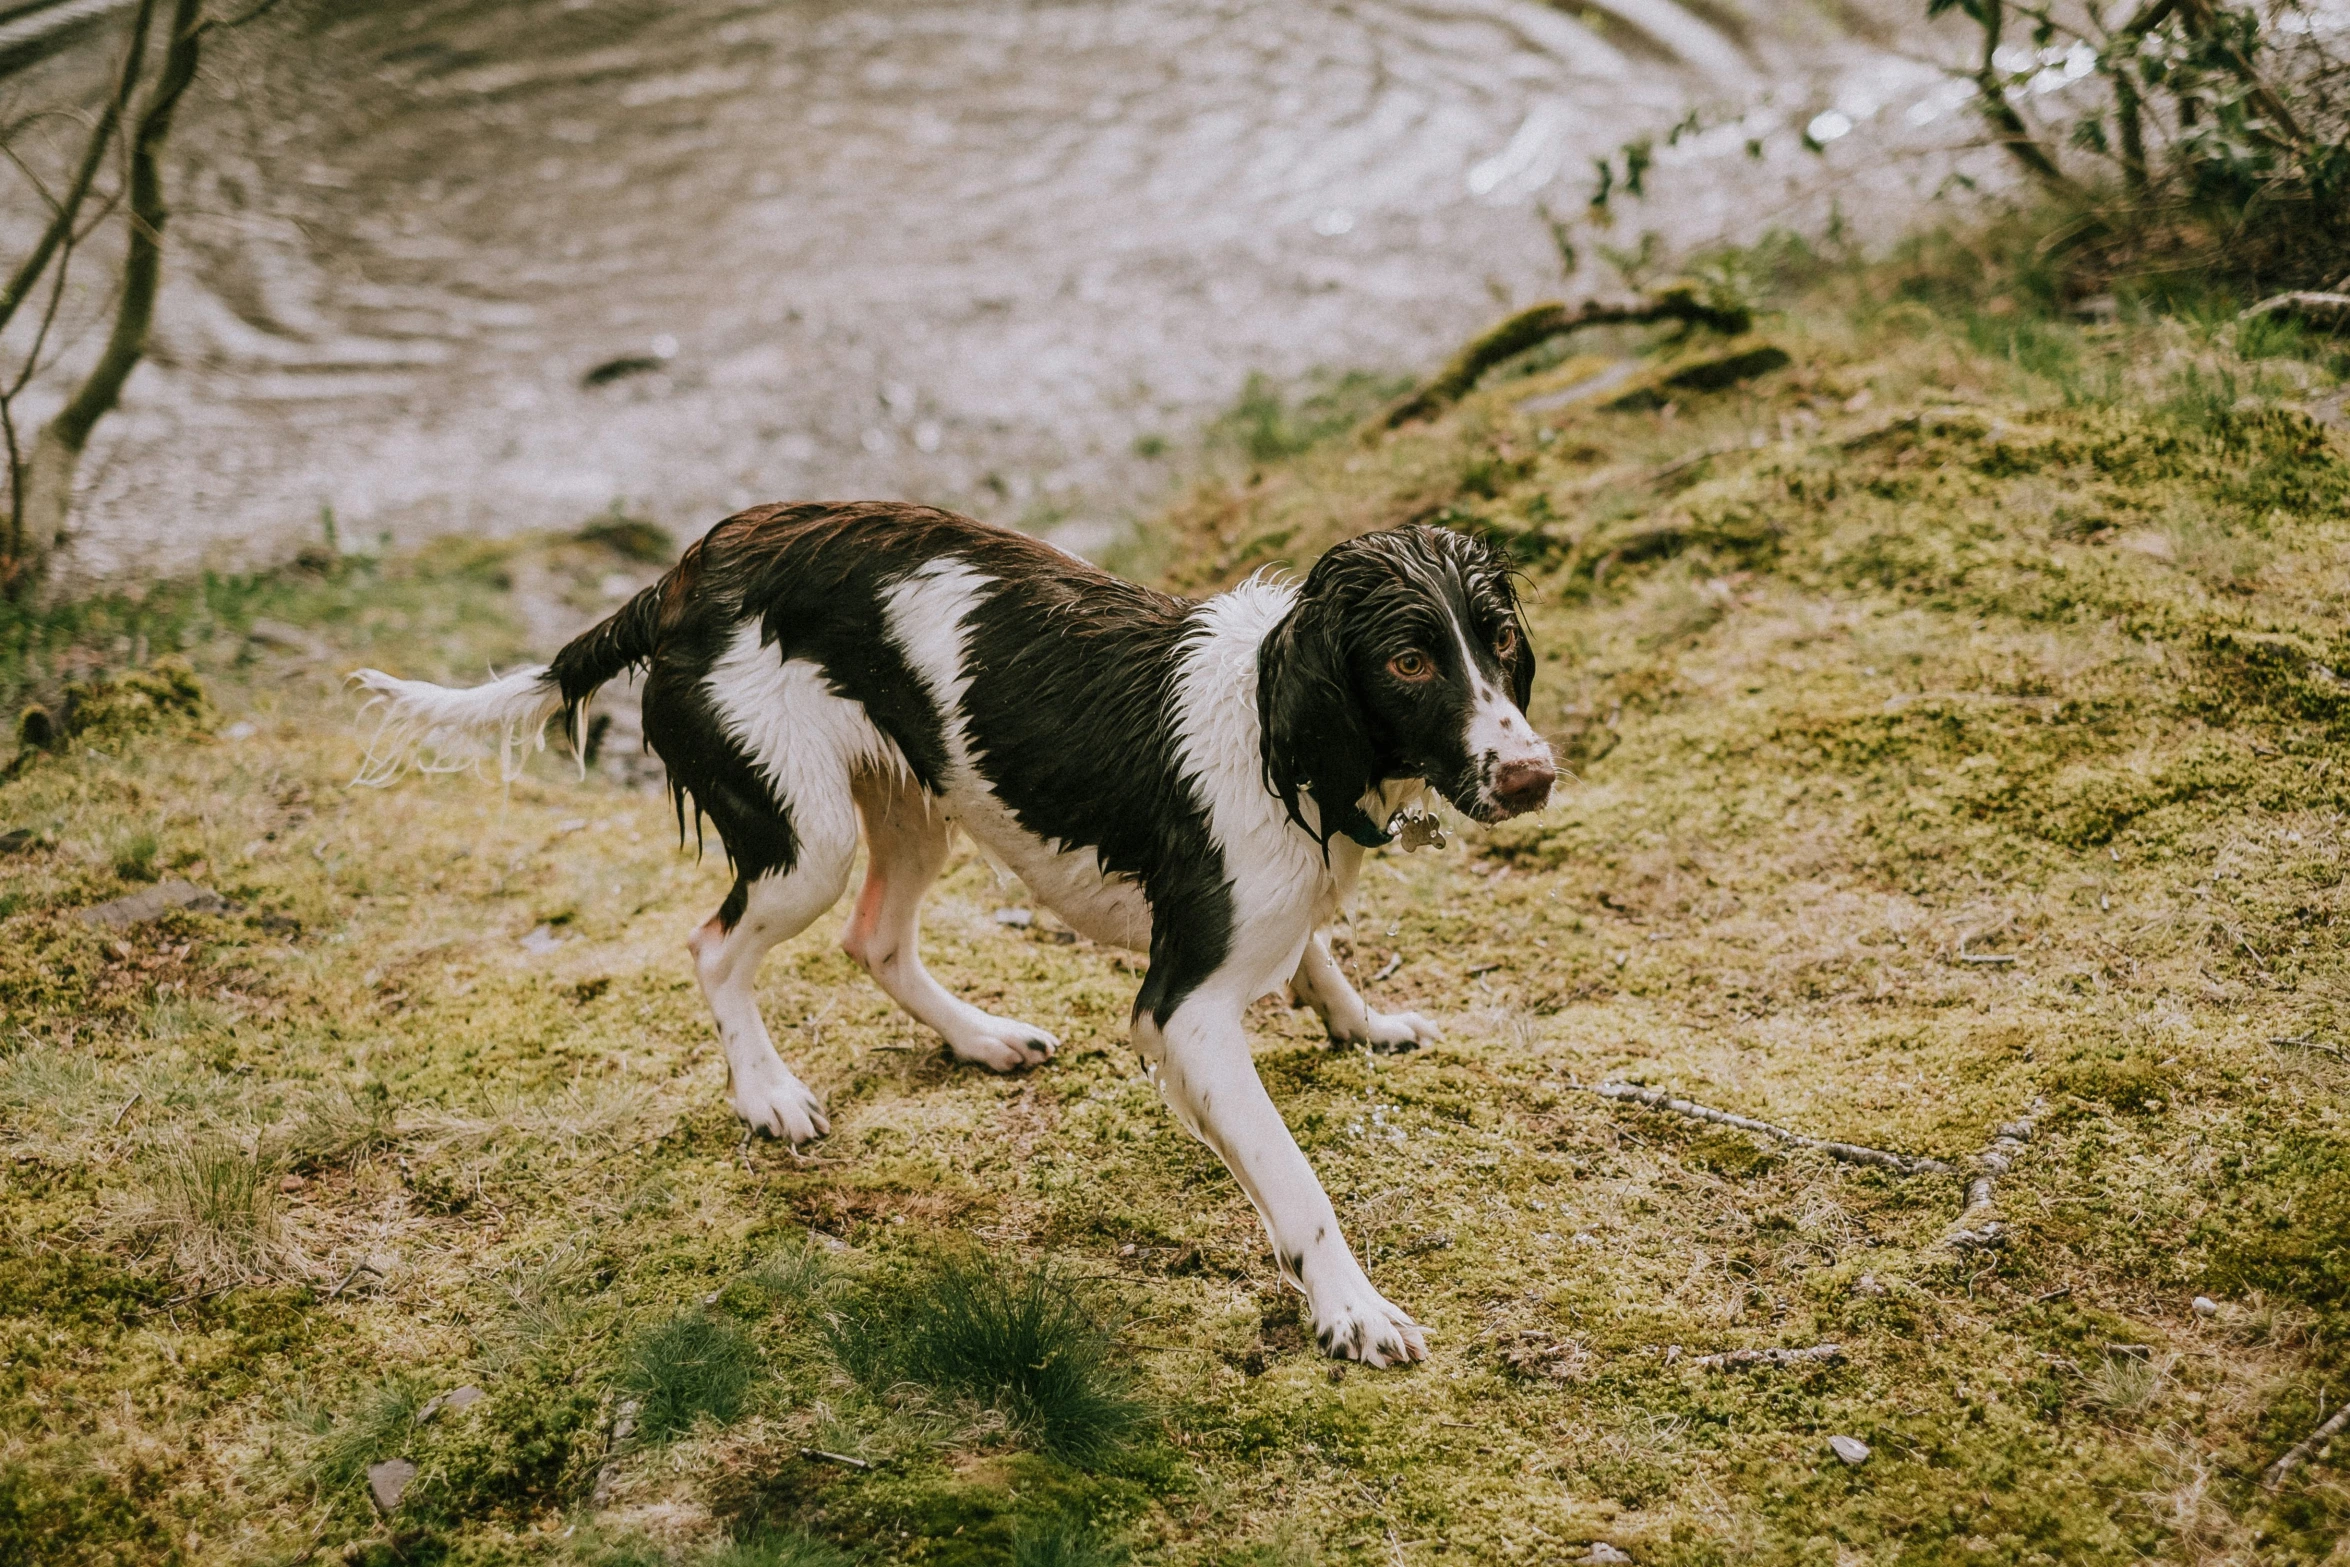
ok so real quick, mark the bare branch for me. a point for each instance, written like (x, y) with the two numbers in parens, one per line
(142, 269)
(2303, 1448)
(61, 224)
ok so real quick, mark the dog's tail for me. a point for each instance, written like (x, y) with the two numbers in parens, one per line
(447, 729)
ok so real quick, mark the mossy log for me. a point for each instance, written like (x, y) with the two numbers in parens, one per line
(1683, 302)
(2327, 310)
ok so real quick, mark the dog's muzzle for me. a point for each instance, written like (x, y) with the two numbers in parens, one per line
(1524, 785)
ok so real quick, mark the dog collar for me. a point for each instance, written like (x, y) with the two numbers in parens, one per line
(1364, 831)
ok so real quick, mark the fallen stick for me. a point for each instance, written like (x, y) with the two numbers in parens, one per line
(1978, 1224)
(2329, 311)
(1732, 1359)
(819, 1455)
(357, 1268)
(1849, 1153)
(2303, 1448)
(126, 1108)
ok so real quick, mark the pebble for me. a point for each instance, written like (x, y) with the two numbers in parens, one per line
(387, 1481)
(152, 902)
(1850, 1448)
(542, 939)
(1601, 1551)
(457, 1400)
(2205, 1306)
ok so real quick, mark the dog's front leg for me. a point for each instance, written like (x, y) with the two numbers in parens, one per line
(1321, 984)
(1201, 1064)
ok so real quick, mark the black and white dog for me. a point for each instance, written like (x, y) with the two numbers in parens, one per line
(1197, 780)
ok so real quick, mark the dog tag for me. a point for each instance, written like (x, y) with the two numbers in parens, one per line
(1421, 830)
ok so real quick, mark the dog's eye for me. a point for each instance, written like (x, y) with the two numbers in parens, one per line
(1505, 641)
(1410, 666)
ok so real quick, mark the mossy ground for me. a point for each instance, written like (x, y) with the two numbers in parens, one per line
(1979, 635)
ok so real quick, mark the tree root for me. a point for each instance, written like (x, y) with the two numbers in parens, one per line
(2309, 1444)
(1978, 1226)
(1681, 302)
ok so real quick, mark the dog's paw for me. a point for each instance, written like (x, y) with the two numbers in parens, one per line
(1359, 1323)
(782, 1107)
(1002, 1045)
(1389, 1032)
(1401, 1031)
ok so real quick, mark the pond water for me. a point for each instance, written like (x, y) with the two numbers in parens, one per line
(464, 265)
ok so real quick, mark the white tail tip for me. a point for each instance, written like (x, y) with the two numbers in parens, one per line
(445, 729)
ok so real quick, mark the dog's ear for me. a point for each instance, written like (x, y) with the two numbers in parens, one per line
(1315, 738)
(1521, 661)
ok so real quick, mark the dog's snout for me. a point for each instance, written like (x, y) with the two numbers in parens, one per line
(1524, 785)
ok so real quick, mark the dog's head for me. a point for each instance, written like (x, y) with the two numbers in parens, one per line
(1405, 656)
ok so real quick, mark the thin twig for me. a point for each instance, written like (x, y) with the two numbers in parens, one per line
(126, 1108)
(844, 1460)
(1387, 969)
(357, 1268)
(1849, 1153)
(1732, 1359)
(2303, 1448)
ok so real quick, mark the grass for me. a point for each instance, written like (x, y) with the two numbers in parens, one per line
(213, 1206)
(1958, 636)
(1025, 1341)
(688, 1369)
(785, 1548)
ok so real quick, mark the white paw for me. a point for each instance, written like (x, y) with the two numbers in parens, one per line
(1356, 1322)
(781, 1107)
(1002, 1045)
(1386, 1031)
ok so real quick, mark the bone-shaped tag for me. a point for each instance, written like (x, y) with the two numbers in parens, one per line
(1420, 830)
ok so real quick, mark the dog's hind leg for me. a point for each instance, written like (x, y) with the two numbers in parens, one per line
(1321, 984)
(773, 908)
(906, 843)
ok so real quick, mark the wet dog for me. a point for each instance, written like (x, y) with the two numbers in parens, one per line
(1197, 780)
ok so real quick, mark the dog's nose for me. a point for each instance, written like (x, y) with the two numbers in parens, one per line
(1525, 785)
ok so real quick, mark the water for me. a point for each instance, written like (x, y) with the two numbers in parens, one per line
(970, 254)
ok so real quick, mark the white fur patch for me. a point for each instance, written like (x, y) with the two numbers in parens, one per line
(926, 615)
(1278, 878)
(805, 737)
(443, 729)
(1496, 733)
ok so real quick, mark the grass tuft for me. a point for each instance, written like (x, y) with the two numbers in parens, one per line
(1064, 1542)
(779, 1548)
(1023, 1340)
(687, 1368)
(340, 1127)
(214, 1204)
(797, 1276)
(340, 1451)
(134, 857)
